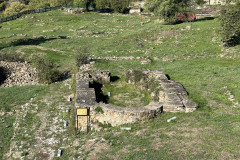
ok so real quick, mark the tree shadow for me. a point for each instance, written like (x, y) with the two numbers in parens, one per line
(234, 41)
(114, 78)
(31, 41)
(104, 10)
(168, 77)
(3, 75)
(65, 75)
(100, 97)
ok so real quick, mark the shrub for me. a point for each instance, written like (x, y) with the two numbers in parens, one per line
(52, 75)
(47, 72)
(169, 9)
(119, 5)
(81, 57)
(135, 76)
(104, 125)
(230, 24)
(3, 6)
(10, 57)
(99, 110)
(14, 8)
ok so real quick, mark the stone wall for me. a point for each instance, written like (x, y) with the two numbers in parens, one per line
(118, 115)
(171, 97)
(19, 74)
(136, 7)
(170, 94)
(215, 2)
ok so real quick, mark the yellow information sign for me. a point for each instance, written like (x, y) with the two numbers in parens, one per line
(82, 112)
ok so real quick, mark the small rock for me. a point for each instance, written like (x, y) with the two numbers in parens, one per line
(188, 27)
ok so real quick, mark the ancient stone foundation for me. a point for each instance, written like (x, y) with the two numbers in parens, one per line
(168, 95)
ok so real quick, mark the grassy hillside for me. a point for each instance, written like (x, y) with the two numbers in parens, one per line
(190, 53)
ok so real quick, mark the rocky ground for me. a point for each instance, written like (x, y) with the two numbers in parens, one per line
(18, 74)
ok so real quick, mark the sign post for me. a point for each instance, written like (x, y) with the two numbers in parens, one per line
(83, 118)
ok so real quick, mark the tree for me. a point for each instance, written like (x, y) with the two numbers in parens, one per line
(230, 24)
(14, 8)
(168, 9)
(116, 5)
(54, 3)
(24, 1)
(119, 5)
(34, 4)
(101, 4)
(2, 5)
(86, 3)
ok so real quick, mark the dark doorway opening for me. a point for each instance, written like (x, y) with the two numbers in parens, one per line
(100, 97)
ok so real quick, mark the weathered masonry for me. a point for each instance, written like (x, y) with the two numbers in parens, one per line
(169, 96)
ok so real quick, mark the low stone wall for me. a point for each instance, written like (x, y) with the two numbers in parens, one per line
(117, 58)
(19, 74)
(120, 115)
(168, 95)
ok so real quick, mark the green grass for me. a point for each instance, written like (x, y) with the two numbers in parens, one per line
(126, 95)
(13, 96)
(10, 99)
(194, 57)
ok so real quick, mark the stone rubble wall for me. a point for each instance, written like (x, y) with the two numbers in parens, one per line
(117, 58)
(119, 115)
(172, 97)
(19, 74)
(171, 94)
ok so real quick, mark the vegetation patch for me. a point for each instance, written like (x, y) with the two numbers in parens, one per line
(196, 59)
(126, 95)
(99, 110)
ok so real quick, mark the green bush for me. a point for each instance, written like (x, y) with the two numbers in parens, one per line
(168, 9)
(135, 76)
(230, 24)
(119, 5)
(104, 125)
(47, 72)
(81, 57)
(4, 56)
(35, 4)
(99, 110)
(52, 75)
(2, 6)
(15, 8)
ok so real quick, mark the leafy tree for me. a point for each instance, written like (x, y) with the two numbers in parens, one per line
(59, 2)
(2, 5)
(230, 24)
(86, 3)
(116, 5)
(34, 4)
(66, 2)
(119, 5)
(168, 9)
(14, 8)
(24, 1)
(100, 4)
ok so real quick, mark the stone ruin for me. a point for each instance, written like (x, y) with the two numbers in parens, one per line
(17, 74)
(136, 7)
(168, 96)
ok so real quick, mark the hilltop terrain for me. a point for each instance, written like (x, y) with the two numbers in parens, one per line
(32, 116)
